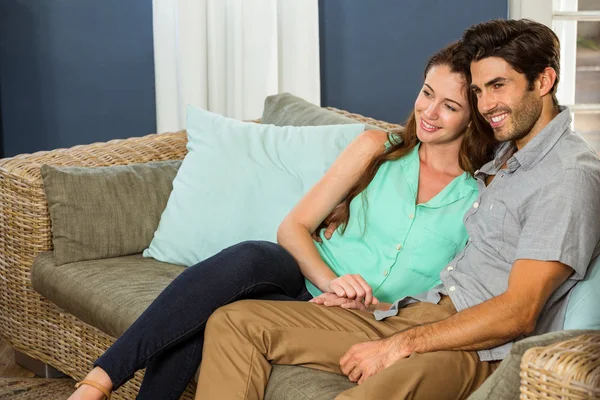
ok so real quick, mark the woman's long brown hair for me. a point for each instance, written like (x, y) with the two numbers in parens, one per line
(476, 149)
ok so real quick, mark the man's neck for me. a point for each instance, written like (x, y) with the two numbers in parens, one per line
(549, 112)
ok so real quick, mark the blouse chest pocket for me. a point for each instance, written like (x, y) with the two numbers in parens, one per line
(432, 254)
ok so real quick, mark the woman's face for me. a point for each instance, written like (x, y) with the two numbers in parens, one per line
(442, 109)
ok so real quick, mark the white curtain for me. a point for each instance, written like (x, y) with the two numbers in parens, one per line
(226, 56)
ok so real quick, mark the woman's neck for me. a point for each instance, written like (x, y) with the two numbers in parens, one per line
(441, 158)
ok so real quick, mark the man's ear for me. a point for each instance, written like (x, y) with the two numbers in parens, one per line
(546, 81)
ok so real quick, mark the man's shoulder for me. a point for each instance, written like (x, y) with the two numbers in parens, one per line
(571, 155)
(574, 153)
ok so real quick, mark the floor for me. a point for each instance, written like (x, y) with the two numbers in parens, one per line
(8, 368)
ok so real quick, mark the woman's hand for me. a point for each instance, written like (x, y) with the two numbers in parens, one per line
(354, 287)
(333, 300)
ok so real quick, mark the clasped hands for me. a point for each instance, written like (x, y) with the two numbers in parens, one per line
(347, 291)
(363, 359)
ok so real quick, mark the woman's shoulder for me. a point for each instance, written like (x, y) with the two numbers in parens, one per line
(373, 137)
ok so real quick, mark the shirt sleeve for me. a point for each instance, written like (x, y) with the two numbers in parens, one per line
(560, 223)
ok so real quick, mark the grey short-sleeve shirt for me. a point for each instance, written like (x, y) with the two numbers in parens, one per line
(543, 206)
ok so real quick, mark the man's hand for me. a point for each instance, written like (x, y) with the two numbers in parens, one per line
(367, 359)
(353, 286)
(333, 300)
(331, 227)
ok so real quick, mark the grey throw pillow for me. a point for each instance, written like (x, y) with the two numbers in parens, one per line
(102, 212)
(286, 109)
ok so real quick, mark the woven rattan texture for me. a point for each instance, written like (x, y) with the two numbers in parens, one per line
(565, 370)
(35, 389)
(29, 322)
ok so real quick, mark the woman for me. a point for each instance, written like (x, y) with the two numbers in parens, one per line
(400, 219)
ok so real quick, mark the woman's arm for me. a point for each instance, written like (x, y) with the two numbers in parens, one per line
(294, 233)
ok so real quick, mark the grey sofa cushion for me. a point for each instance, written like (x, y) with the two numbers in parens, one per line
(504, 383)
(106, 212)
(286, 109)
(298, 383)
(109, 294)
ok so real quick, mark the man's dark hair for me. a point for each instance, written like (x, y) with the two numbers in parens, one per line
(528, 46)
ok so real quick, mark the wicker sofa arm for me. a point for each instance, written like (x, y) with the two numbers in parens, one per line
(25, 228)
(565, 370)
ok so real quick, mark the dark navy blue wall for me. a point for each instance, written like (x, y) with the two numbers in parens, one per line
(74, 72)
(373, 52)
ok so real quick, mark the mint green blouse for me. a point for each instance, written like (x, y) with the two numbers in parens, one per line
(399, 247)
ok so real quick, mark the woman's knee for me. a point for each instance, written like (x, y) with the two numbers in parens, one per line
(257, 249)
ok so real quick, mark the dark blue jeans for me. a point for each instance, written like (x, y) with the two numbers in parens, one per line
(167, 338)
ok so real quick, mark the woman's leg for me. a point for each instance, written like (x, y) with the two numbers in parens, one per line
(245, 270)
(168, 373)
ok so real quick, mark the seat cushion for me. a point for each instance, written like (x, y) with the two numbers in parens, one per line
(109, 294)
(298, 383)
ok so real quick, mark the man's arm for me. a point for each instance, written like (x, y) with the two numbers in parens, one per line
(496, 321)
(487, 325)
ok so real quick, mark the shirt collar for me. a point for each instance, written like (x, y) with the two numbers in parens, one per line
(533, 151)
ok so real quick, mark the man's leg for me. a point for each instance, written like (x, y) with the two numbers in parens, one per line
(442, 375)
(245, 337)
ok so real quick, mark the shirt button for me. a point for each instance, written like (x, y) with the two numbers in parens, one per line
(398, 247)
(385, 273)
(452, 288)
(476, 205)
(450, 268)
(411, 216)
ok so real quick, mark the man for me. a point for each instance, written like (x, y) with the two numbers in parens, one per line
(533, 232)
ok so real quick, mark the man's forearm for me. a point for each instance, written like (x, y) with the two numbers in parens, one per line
(484, 326)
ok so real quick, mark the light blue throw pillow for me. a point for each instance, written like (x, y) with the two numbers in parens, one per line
(238, 181)
(583, 309)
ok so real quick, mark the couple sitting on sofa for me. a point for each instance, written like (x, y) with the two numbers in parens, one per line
(487, 140)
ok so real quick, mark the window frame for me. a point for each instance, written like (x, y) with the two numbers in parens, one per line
(562, 17)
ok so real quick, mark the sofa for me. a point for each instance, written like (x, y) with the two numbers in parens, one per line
(67, 316)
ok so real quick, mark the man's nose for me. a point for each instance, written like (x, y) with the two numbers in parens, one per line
(485, 103)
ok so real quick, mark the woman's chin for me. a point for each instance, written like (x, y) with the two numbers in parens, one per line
(427, 137)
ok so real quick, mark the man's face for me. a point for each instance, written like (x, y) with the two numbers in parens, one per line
(504, 99)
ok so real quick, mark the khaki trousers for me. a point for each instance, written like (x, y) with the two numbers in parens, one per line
(243, 339)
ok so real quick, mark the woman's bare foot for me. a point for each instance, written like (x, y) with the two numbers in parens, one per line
(87, 392)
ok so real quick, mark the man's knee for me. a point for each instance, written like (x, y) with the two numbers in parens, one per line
(229, 317)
